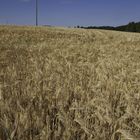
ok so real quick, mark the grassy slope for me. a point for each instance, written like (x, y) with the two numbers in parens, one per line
(69, 84)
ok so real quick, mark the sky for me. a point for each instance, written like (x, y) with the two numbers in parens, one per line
(70, 12)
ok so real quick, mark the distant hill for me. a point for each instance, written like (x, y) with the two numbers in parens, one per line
(130, 27)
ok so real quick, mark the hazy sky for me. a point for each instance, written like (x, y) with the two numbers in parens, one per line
(70, 12)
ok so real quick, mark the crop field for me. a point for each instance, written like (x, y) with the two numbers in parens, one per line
(69, 84)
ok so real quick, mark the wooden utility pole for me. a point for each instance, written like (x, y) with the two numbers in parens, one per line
(36, 12)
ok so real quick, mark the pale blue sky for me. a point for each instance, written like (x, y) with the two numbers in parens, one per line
(70, 12)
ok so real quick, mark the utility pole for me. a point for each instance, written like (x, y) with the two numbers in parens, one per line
(36, 12)
(7, 22)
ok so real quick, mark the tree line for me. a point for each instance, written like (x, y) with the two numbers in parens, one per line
(130, 27)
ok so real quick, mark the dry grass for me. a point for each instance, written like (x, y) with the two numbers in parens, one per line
(69, 84)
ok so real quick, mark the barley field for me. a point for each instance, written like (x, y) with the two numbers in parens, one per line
(69, 84)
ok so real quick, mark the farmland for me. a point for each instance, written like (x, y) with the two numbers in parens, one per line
(69, 84)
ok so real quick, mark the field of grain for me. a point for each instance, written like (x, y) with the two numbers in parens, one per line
(69, 84)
